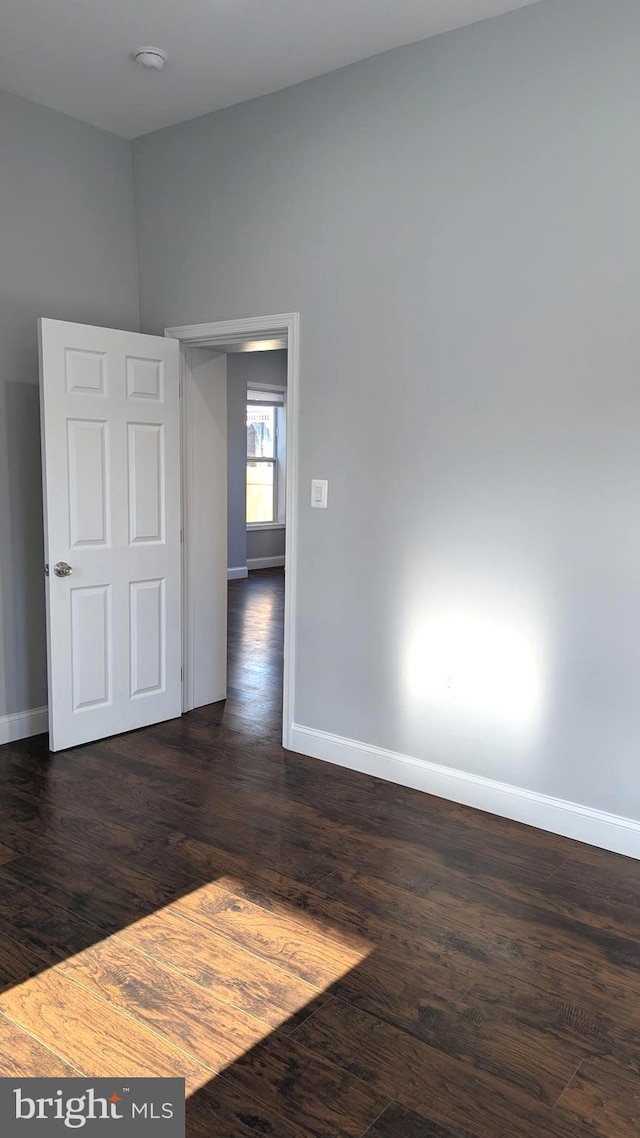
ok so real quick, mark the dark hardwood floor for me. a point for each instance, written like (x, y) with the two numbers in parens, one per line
(316, 952)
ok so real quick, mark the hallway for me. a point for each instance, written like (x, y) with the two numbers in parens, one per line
(255, 651)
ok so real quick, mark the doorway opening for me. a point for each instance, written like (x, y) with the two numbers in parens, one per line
(256, 456)
(261, 504)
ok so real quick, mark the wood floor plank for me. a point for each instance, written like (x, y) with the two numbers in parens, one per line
(209, 861)
(601, 873)
(327, 1101)
(13, 895)
(605, 1096)
(316, 909)
(6, 854)
(223, 1110)
(375, 800)
(258, 851)
(17, 961)
(601, 1017)
(398, 1122)
(308, 818)
(186, 1015)
(275, 937)
(107, 893)
(241, 831)
(90, 1034)
(525, 1061)
(22, 1056)
(237, 977)
(404, 988)
(564, 956)
(442, 844)
(309, 908)
(421, 1077)
(50, 930)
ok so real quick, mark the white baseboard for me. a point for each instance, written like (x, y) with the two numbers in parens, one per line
(23, 724)
(582, 823)
(265, 562)
(238, 573)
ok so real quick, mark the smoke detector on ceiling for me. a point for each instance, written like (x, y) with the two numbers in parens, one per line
(151, 58)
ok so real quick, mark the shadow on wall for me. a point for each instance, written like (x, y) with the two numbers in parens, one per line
(23, 673)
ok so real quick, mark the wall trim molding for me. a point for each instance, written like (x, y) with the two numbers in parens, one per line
(265, 562)
(22, 724)
(569, 819)
(237, 573)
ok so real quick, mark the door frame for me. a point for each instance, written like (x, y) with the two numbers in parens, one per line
(212, 335)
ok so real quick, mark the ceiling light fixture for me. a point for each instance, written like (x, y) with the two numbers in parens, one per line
(151, 58)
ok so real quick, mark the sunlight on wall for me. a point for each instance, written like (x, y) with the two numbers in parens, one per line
(137, 1003)
(488, 668)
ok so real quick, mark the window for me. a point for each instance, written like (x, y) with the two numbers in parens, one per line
(265, 457)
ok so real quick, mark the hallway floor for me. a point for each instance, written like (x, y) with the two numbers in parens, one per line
(320, 954)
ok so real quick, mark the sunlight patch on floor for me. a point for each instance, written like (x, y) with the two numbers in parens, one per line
(186, 990)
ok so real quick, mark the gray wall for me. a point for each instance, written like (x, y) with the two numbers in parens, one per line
(457, 223)
(243, 369)
(67, 250)
(265, 543)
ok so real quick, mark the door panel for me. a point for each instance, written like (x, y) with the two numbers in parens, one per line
(145, 379)
(87, 449)
(85, 372)
(146, 482)
(147, 611)
(91, 639)
(111, 469)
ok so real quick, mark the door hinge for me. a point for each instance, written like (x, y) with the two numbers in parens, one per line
(181, 675)
(180, 537)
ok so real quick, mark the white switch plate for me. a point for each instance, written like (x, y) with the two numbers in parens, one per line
(319, 493)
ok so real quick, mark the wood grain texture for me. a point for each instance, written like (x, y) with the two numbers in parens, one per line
(320, 953)
(91, 1034)
(181, 1012)
(605, 1097)
(274, 937)
(6, 854)
(22, 1056)
(244, 981)
(398, 1066)
(105, 893)
(13, 894)
(520, 1058)
(224, 1110)
(52, 931)
(17, 960)
(323, 1098)
(398, 1122)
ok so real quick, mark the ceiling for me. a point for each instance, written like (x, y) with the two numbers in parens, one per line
(74, 55)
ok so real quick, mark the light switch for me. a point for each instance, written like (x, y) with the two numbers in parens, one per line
(319, 493)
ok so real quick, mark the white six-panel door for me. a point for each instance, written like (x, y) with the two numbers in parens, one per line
(111, 472)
